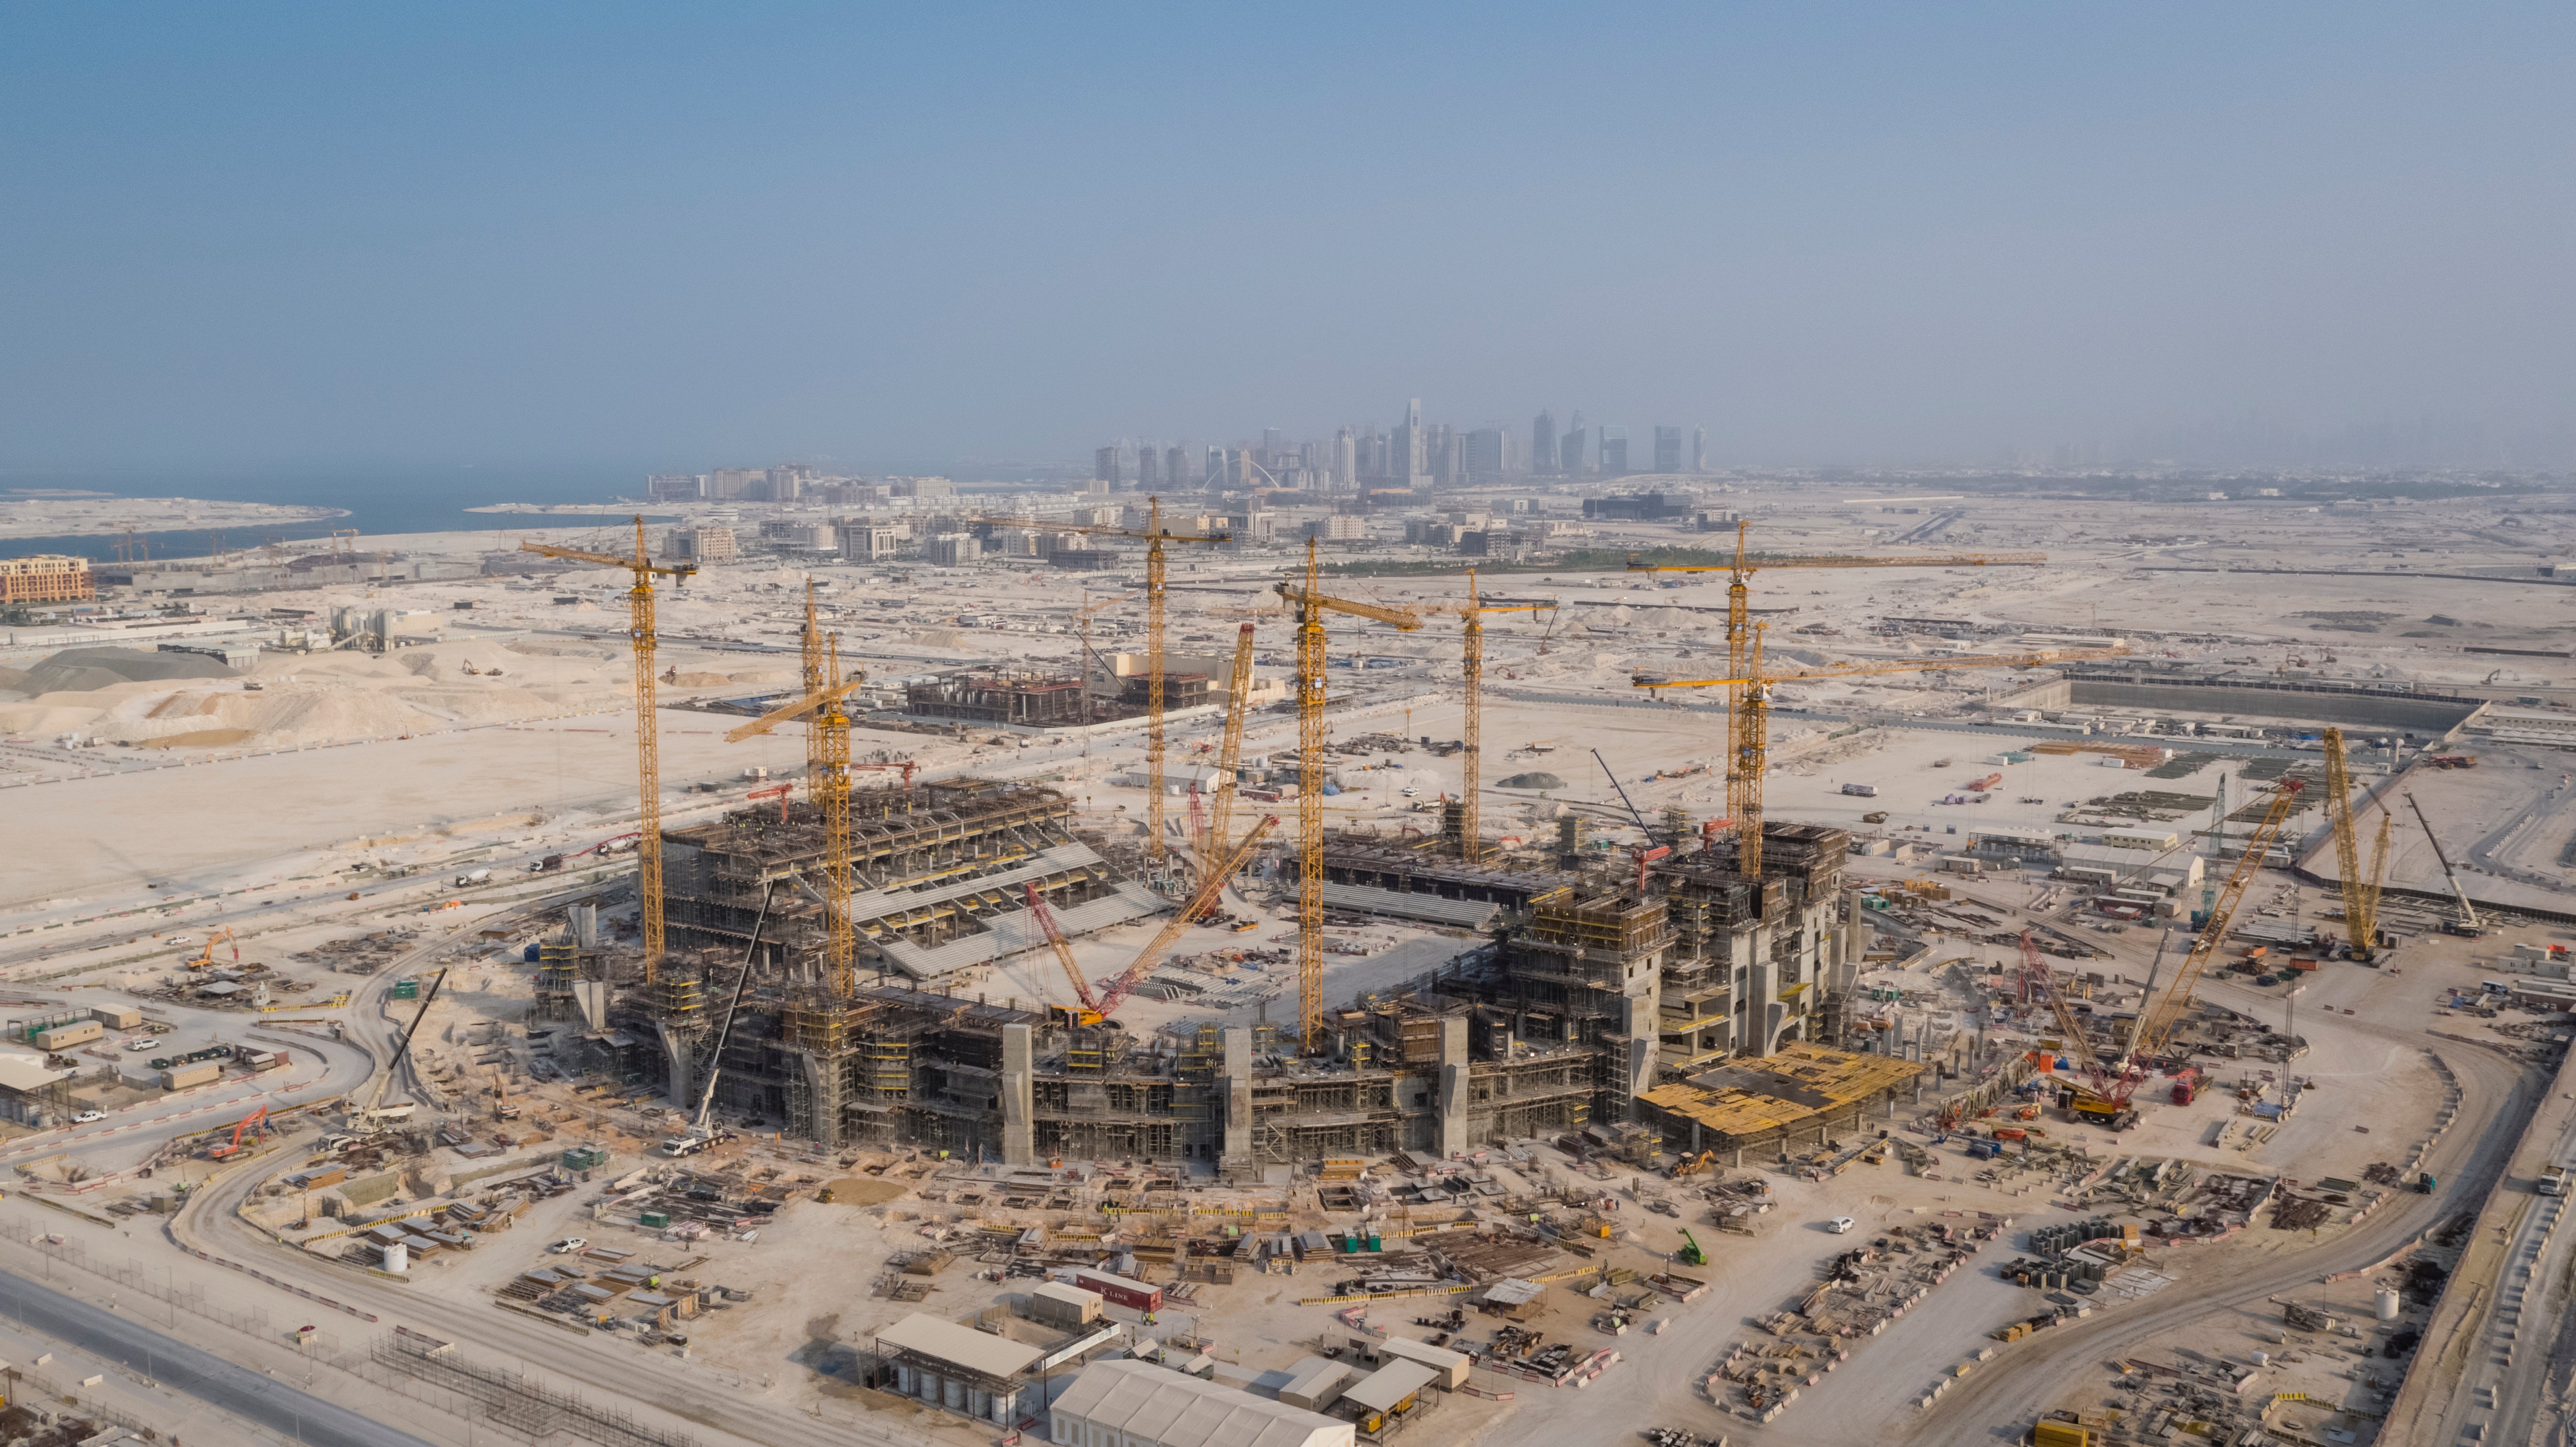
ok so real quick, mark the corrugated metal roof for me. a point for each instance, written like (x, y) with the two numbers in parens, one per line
(1147, 1403)
(976, 1351)
(1386, 1388)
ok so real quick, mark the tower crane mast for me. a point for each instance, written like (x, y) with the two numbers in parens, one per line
(648, 740)
(832, 788)
(1743, 789)
(1311, 605)
(1472, 697)
(1155, 535)
(1750, 691)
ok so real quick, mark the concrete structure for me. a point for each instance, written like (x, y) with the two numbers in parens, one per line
(2526, 726)
(2100, 685)
(956, 1367)
(1138, 1404)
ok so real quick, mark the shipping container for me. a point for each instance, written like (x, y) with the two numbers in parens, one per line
(180, 1077)
(406, 989)
(1120, 1290)
(1865, 791)
(116, 1017)
(64, 1037)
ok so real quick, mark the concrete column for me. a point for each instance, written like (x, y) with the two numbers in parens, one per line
(1019, 1137)
(1238, 1095)
(676, 1046)
(1453, 1085)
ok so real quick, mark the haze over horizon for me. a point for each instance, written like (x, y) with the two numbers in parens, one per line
(653, 237)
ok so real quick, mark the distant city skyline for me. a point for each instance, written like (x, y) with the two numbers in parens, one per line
(244, 239)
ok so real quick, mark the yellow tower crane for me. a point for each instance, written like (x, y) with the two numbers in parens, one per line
(1471, 844)
(830, 788)
(1154, 535)
(812, 674)
(2360, 890)
(648, 738)
(1750, 690)
(1311, 605)
(1739, 612)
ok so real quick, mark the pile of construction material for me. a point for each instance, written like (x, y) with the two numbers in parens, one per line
(1871, 1287)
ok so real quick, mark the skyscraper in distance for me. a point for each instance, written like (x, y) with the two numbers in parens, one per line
(1699, 449)
(1346, 462)
(1668, 449)
(1543, 443)
(1176, 466)
(1148, 466)
(1104, 469)
(1613, 449)
(1406, 467)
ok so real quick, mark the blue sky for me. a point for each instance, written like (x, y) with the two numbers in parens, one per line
(677, 236)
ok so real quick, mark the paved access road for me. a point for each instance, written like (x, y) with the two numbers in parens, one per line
(252, 1396)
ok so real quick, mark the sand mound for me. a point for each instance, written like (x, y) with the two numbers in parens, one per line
(87, 670)
(1540, 780)
(699, 680)
(863, 1191)
(199, 739)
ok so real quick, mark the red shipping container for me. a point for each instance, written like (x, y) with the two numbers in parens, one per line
(1120, 1290)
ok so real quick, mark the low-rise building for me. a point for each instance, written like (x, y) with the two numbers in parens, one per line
(956, 1367)
(1138, 1404)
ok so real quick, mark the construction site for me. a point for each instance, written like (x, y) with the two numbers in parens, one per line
(1652, 1002)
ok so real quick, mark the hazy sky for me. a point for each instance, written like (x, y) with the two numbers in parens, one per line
(677, 236)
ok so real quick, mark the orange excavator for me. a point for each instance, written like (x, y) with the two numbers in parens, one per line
(254, 1124)
(208, 956)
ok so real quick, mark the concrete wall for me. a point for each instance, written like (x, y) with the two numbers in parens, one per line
(2364, 710)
